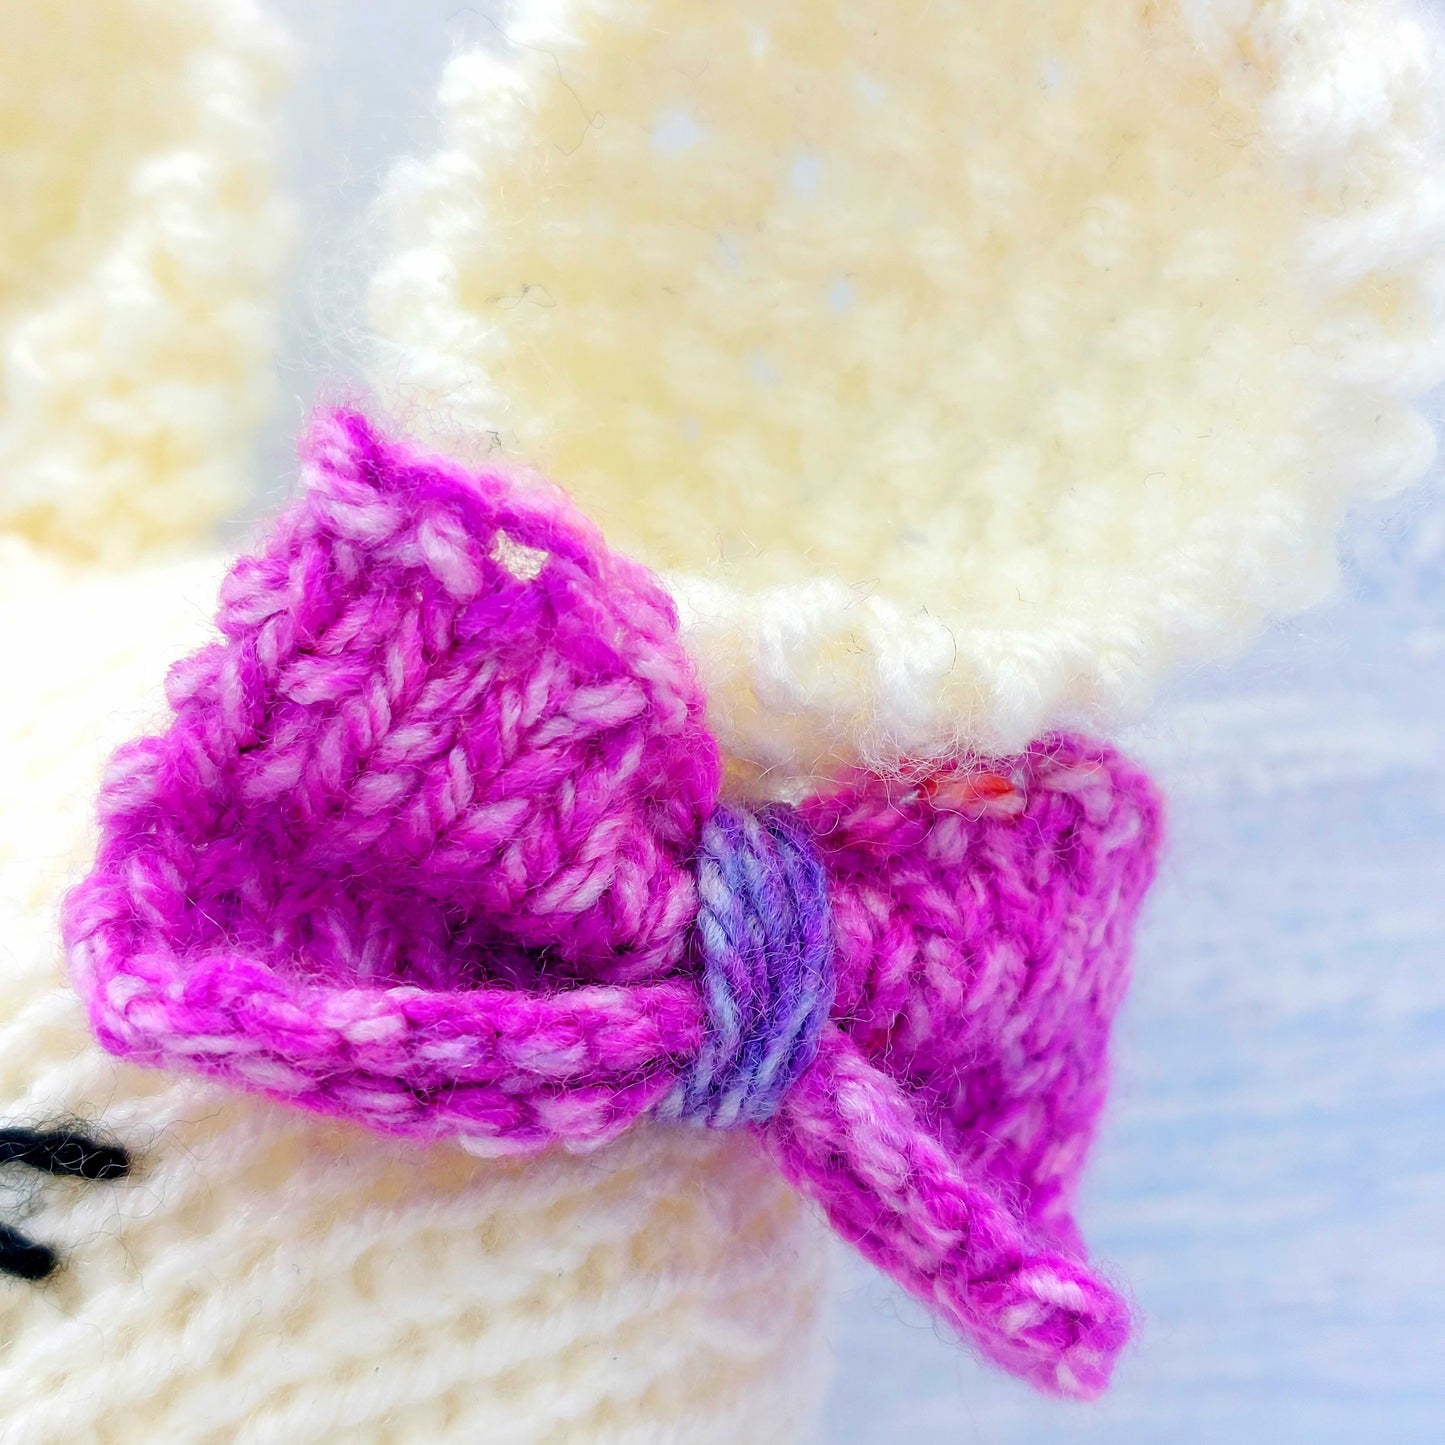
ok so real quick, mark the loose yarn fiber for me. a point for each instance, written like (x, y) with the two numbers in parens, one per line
(419, 850)
(963, 366)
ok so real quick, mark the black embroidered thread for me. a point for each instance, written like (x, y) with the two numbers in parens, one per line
(23, 1258)
(66, 1153)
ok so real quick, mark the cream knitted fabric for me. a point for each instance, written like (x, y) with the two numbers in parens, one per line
(967, 364)
(267, 1277)
(140, 239)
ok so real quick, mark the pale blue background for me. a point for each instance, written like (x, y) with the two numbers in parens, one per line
(1271, 1179)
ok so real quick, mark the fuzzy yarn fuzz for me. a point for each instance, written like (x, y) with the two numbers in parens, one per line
(419, 849)
(267, 1277)
(140, 244)
(962, 366)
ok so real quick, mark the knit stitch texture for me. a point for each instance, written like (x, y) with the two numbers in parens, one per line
(418, 850)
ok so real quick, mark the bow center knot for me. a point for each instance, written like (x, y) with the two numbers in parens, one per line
(764, 940)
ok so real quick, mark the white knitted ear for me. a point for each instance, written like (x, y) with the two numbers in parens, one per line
(140, 241)
(964, 365)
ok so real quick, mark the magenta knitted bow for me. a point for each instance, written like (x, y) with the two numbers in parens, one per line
(433, 843)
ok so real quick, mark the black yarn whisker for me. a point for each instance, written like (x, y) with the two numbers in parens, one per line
(65, 1152)
(22, 1258)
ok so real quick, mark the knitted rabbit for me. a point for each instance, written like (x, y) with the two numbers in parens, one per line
(715, 834)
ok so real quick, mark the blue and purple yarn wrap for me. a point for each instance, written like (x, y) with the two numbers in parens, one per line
(764, 938)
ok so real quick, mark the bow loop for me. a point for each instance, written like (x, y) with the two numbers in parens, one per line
(445, 691)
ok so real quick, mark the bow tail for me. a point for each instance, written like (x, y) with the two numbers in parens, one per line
(849, 1137)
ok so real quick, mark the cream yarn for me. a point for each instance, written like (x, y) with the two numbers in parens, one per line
(966, 365)
(140, 241)
(267, 1277)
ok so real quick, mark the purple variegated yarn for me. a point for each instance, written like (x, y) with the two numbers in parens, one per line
(764, 939)
(433, 842)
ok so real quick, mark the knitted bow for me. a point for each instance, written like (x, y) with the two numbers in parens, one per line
(434, 843)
